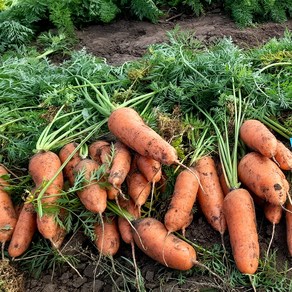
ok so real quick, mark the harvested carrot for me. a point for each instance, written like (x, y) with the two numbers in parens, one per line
(128, 126)
(258, 137)
(283, 156)
(241, 221)
(273, 213)
(107, 236)
(8, 216)
(64, 153)
(289, 227)
(179, 214)
(92, 195)
(263, 177)
(150, 168)
(100, 151)
(154, 240)
(210, 193)
(25, 229)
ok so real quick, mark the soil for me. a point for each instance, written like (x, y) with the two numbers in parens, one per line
(123, 41)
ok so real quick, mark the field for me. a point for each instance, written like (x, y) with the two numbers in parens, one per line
(202, 59)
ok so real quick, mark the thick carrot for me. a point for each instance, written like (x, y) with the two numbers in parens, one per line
(154, 240)
(43, 166)
(179, 214)
(8, 216)
(92, 195)
(241, 221)
(289, 227)
(283, 156)
(107, 236)
(263, 177)
(25, 229)
(121, 164)
(210, 194)
(150, 168)
(64, 153)
(99, 151)
(128, 126)
(258, 137)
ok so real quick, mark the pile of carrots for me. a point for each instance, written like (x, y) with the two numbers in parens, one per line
(124, 172)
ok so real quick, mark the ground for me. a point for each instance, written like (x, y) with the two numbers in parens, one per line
(123, 41)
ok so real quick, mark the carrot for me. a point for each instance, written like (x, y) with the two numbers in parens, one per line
(241, 221)
(258, 137)
(283, 156)
(92, 195)
(289, 227)
(273, 213)
(179, 214)
(128, 126)
(150, 168)
(107, 236)
(99, 151)
(64, 154)
(43, 167)
(263, 177)
(121, 164)
(210, 193)
(25, 229)
(8, 216)
(151, 236)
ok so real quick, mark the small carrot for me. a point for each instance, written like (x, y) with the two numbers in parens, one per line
(100, 151)
(154, 240)
(283, 156)
(263, 177)
(128, 126)
(150, 168)
(25, 229)
(241, 221)
(107, 236)
(258, 137)
(179, 214)
(8, 216)
(210, 193)
(273, 213)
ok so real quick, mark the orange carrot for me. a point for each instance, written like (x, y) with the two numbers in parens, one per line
(25, 229)
(273, 213)
(179, 214)
(150, 168)
(154, 240)
(8, 216)
(107, 236)
(64, 153)
(283, 156)
(92, 195)
(241, 221)
(210, 194)
(258, 137)
(43, 166)
(289, 227)
(99, 151)
(128, 126)
(263, 177)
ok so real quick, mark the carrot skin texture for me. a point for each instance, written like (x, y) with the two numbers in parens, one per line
(92, 196)
(8, 216)
(108, 240)
(179, 213)
(289, 227)
(25, 229)
(165, 248)
(263, 177)
(283, 156)
(128, 126)
(258, 137)
(64, 153)
(241, 221)
(210, 194)
(150, 168)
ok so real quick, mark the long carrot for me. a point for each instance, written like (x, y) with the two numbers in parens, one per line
(258, 137)
(179, 214)
(241, 220)
(210, 193)
(263, 177)
(153, 239)
(8, 216)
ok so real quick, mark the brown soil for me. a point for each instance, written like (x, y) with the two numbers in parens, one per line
(123, 41)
